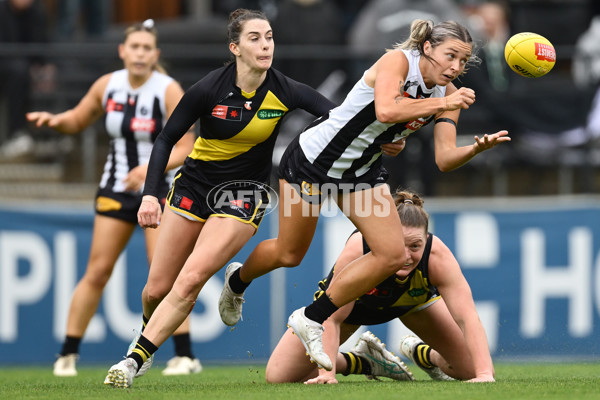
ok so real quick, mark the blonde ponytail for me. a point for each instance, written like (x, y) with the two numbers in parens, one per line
(420, 31)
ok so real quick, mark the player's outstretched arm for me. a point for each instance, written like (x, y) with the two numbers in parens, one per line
(75, 120)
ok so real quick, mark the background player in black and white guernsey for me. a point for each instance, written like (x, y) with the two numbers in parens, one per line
(407, 87)
(137, 101)
(429, 294)
(240, 108)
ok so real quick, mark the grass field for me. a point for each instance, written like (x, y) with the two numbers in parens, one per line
(514, 381)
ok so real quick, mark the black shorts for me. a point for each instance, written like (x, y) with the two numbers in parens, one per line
(245, 201)
(362, 314)
(120, 205)
(313, 184)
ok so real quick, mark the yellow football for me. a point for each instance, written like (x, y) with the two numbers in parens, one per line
(529, 54)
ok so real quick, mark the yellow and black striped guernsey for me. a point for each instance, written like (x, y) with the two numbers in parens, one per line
(237, 129)
(393, 297)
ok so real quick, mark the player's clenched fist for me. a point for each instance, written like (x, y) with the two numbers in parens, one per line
(460, 99)
(149, 212)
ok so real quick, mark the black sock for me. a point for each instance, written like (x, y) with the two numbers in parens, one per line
(144, 322)
(320, 309)
(142, 351)
(236, 283)
(357, 365)
(422, 356)
(183, 345)
(70, 346)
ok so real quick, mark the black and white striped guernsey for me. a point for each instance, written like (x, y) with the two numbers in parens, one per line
(134, 118)
(346, 143)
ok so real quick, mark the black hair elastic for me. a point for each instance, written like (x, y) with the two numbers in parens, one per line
(448, 120)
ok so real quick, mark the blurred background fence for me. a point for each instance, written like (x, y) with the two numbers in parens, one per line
(328, 51)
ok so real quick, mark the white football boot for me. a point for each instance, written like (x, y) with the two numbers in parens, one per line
(65, 365)
(310, 334)
(382, 361)
(230, 303)
(122, 374)
(182, 366)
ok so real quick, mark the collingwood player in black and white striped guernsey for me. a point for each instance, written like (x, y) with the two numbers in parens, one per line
(345, 144)
(340, 154)
(134, 118)
(136, 102)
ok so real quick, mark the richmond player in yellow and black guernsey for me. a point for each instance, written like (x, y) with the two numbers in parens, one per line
(393, 297)
(237, 135)
(430, 296)
(240, 108)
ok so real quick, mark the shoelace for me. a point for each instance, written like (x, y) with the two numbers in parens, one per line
(237, 302)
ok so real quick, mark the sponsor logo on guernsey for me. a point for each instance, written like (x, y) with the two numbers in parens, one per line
(269, 114)
(418, 123)
(142, 124)
(227, 112)
(112, 105)
(545, 52)
(409, 84)
(377, 292)
(248, 105)
(415, 125)
(416, 292)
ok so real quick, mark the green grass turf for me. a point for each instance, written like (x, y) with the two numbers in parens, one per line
(513, 381)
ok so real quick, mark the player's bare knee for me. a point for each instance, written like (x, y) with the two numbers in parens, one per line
(155, 294)
(190, 283)
(290, 259)
(270, 376)
(182, 304)
(97, 279)
(391, 260)
(275, 375)
(271, 379)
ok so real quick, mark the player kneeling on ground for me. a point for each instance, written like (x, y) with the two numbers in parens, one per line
(429, 294)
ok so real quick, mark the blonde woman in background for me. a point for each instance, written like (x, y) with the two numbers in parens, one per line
(136, 102)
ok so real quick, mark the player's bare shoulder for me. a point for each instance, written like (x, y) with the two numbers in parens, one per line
(442, 263)
(99, 86)
(393, 61)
